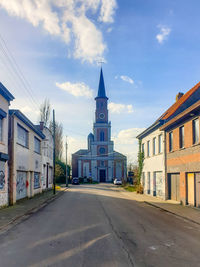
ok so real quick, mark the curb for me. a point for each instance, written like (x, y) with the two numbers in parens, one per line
(16, 220)
(171, 212)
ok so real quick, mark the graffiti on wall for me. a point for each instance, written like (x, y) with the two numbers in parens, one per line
(2, 180)
(21, 185)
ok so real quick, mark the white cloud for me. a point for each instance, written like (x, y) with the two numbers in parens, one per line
(76, 89)
(120, 108)
(126, 79)
(126, 142)
(107, 10)
(69, 21)
(164, 32)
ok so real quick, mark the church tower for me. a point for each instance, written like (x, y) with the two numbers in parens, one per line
(99, 161)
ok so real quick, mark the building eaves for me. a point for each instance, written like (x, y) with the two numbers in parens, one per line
(182, 115)
(25, 120)
(150, 129)
(5, 93)
(177, 104)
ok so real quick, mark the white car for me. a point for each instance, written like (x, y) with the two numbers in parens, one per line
(118, 181)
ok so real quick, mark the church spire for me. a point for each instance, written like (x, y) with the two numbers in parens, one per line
(101, 90)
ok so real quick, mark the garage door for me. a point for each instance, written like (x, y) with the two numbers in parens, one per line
(198, 190)
(174, 186)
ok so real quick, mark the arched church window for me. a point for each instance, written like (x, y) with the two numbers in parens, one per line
(102, 150)
(101, 136)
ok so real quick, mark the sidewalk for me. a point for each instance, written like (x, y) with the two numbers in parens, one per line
(12, 215)
(173, 207)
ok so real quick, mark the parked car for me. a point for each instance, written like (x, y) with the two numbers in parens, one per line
(75, 180)
(118, 181)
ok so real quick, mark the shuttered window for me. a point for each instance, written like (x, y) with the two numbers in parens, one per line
(22, 136)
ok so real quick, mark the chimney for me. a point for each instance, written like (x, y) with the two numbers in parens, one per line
(179, 95)
(41, 125)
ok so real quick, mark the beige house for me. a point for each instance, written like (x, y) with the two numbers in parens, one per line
(25, 163)
(5, 98)
(47, 157)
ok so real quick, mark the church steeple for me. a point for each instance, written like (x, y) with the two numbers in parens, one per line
(101, 89)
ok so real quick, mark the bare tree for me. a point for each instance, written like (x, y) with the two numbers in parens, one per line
(45, 111)
(58, 138)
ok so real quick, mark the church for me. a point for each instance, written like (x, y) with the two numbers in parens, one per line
(100, 161)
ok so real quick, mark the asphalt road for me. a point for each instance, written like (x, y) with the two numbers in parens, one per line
(97, 225)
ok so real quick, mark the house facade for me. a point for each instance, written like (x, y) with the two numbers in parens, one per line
(47, 157)
(167, 167)
(183, 156)
(25, 162)
(5, 98)
(99, 161)
(153, 173)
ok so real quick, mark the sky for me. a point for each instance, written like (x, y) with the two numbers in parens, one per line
(52, 49)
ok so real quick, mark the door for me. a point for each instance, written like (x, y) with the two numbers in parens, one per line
(190, 189)
(197, 190)
(47, 178)
(21, 191)
(159, 183)
(102, 175)
(149, 183)
(174, 186)
(154, 184)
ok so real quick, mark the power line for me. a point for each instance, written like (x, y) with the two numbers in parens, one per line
(17, 71)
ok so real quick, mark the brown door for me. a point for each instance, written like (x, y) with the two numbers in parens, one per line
(174, 186)
(102, 174)
(197, 175)
(190, 189)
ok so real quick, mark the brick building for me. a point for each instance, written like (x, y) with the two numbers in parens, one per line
(183, 149)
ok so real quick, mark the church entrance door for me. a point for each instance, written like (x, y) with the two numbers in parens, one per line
(102, 175)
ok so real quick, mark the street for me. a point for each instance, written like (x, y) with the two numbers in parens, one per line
(98, 225)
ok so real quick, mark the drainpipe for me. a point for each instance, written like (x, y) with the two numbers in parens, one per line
(11, 158)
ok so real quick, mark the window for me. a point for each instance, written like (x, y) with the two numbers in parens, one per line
(195, 125)
(154, 146)
(102, 150)
(22, 136)
(101, 136)
(143, 149)
(181, 137)
(1, 129)
(37, 145)
(148, 148)
(170, 141)
(160, 143)
(36, 180)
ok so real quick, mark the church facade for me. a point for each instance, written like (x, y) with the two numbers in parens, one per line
(100, 161)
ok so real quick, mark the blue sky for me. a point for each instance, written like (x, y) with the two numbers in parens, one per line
(151, 50)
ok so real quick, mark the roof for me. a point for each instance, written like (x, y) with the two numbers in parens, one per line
(25, 120)
(175, 109)
(5, 93)
(81, 152)
(119, 155)
(189, 112)
(178, 103)
(101, 90)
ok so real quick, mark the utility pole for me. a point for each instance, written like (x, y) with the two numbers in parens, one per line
(54, 153)
(66, 164)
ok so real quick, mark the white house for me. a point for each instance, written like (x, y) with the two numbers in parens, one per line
(47, 157)
(5, 98)
(25, 163)
(154, 170)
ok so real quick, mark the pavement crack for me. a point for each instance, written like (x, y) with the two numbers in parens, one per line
(117, 234)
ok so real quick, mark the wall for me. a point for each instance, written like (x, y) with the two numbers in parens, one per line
(4, 149)
(183, 160)
(154, 163)
(25, 160)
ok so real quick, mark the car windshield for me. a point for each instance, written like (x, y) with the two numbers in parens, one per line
(119, 179)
